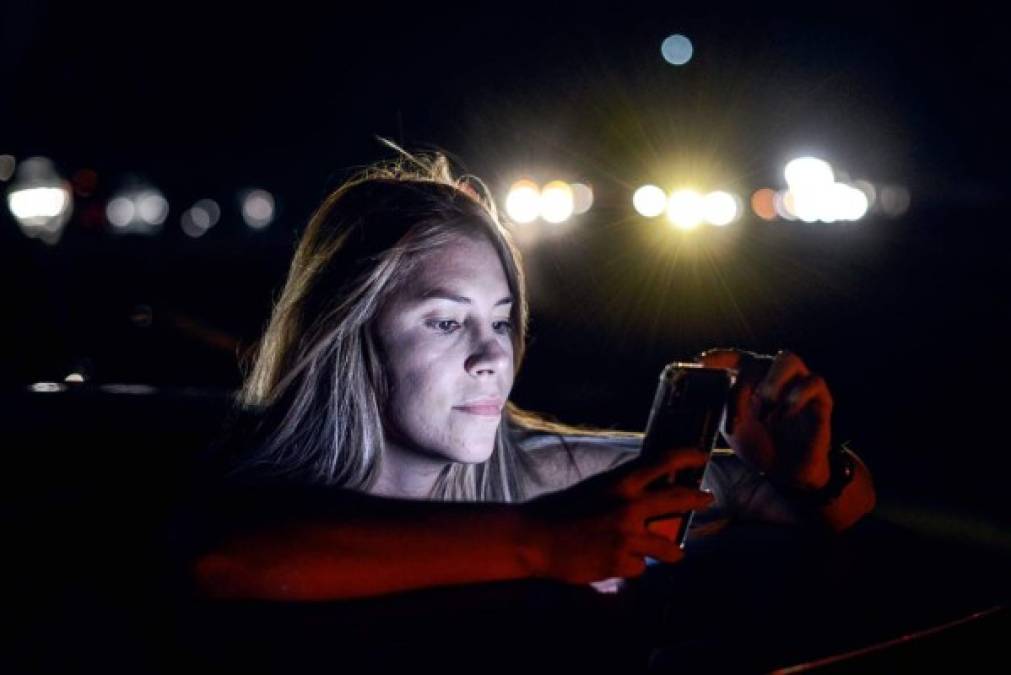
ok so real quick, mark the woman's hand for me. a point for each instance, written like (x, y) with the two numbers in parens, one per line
(779, 416)
(597, 528)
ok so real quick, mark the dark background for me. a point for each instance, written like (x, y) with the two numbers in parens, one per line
(905, 317)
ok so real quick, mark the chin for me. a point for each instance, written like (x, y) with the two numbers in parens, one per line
(478, 449)
(474, 454)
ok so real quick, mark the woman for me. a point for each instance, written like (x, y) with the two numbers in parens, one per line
(377, 412)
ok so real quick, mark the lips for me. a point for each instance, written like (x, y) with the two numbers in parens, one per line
(489, 405)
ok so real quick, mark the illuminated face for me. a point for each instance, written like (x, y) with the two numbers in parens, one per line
(447, 337)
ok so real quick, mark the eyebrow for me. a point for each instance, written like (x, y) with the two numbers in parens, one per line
(444, 294)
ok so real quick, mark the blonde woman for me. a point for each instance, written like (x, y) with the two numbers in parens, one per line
(376, 450)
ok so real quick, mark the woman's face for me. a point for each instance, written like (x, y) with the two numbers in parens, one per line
(447, 337)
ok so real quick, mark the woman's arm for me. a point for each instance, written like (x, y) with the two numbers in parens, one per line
(739, 490)
(368, 546)
(857, 499)
(349, 545)
(756, 498)
(779, 423)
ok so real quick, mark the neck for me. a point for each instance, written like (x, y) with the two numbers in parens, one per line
(406, 474)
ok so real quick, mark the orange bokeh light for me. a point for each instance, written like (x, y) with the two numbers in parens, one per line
(763, 204)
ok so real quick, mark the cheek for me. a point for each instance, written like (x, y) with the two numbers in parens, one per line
(422, 411)
(420, 389)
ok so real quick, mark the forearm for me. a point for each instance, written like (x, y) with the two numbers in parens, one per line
(384, 546)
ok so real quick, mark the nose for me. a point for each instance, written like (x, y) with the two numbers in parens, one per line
(488, 355)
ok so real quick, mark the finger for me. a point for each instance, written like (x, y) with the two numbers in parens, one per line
(656, 547)
(644, 471)
(669, 502)
(808, 390)
(751, 369)
(631, 566)
(737, 359)
(786, 367)
(721, 358)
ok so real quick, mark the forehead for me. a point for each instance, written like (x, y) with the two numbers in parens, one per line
(464, 264)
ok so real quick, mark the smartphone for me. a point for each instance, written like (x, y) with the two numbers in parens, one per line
(688, 411)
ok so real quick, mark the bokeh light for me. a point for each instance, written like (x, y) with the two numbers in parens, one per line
(211, 209)
(649, 201)
(677, 49)
(34, 206)
(763, 203)
(40, 200)
(582, 198)
(120, 211)
(137, 210)
(200, 217)
(869, 191)
(193, 224)
(894, 200)
(258, 209)
(523, 203)
(847, 203)
(720, 208)
(808, 174)
(47, 387)
(816, 195)
(686, 209)
(152, 207)
(806, 205)
(782, 202)
(556, 202)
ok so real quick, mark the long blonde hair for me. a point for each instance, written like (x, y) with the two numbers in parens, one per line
(318, 382)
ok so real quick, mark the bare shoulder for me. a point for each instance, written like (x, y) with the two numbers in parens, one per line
(559, 465)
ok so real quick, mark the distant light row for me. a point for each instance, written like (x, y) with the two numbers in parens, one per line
(556, 202)
(687, 209)
(42, 201)
(812, 194)
(144, 211)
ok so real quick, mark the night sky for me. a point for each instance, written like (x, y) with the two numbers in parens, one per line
(905, 317)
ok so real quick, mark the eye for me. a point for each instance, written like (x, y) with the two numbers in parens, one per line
(444, 325)
(504, 326)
